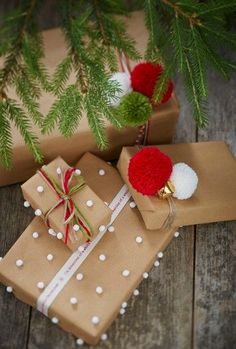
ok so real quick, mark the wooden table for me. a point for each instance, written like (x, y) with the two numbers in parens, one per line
(187, 302)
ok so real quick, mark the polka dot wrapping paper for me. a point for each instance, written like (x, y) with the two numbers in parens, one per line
(215, 197)
(100, 289)
(92, 212)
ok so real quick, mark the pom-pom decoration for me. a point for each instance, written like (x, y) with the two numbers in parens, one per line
(123, 83)
(134, 109)
(149, 170)
(144, 79)
(185, 181)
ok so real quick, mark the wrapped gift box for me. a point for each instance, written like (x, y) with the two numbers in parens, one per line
(42, 197)
(215, 197)
(162, 124)
(122, 249)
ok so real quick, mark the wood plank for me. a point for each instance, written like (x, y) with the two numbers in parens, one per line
(214, 304)
(15, 315)
(215, 287)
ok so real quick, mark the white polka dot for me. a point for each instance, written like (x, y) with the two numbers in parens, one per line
(40, 189)
(73, 300)
(81, 248)
(40, 285)
(132, 204)
(76, 227)
(54, 320)
(19, 263)
(125, 273)
(52, 232)
(145, 275)
(124, 305)
(136, 292)
(102, 228)
(79, 341)
(79, 276)
(156, 264)
(101, 172)
(9, 289)
(26, 204)
(122, 311)
(95, 320)
(77, 172)
(0, 259)
(35, 235)
(50, 257)
(59, 236)
(58, 170)
(38, 212)
(160, 254)
(139, 239)
(102, 257)
(176, 234)
(111, 229)
(104, 337)
(89, 203)
(99, 290)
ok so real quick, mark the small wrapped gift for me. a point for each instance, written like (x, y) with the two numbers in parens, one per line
(212, 199)
(71, 210)
(93, 293)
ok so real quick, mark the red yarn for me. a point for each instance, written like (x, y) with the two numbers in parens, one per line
(144, 78)
(149, 170)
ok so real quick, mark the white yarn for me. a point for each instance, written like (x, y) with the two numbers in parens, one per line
(185, 181)
(124, 83)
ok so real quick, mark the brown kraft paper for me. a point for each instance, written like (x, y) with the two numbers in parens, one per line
(121, 251)
(97, 215)
(161, 129)
(215, 197)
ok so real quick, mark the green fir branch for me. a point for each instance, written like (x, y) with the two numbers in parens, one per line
(21, 121)
(5, 137)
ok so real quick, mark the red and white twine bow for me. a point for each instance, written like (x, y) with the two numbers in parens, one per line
(64, 193)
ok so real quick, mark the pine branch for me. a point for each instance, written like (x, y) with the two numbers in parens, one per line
(20, 119)
(199, 60)
(22, 69)
(178, 42)
(61, 75)
(225, 6)
(29, 94)
(198, 104)
(95, 122)
(5, 137)
(162, 84)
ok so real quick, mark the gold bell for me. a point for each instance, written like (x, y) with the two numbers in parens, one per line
(166, 191)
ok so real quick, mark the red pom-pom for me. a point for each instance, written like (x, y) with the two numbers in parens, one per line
(144, 78)
(149, 170)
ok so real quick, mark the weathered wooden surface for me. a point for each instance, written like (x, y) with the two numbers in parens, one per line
(187, 302)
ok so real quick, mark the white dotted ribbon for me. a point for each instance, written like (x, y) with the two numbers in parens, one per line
(62, 277)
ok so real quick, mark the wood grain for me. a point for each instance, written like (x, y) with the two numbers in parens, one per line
(188, 301)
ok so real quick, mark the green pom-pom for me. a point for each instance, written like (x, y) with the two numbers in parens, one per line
(134, 109)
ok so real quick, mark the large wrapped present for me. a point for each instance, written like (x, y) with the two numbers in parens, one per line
(215, 197)
(159, 131)
(84, 295)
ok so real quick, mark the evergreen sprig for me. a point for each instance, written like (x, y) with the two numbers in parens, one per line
(184, 35)
(188, 36)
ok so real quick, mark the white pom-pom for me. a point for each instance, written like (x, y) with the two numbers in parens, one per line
(185, 181)
(124, 84)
